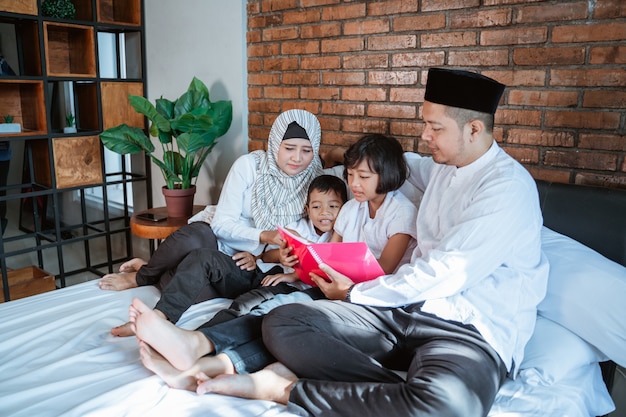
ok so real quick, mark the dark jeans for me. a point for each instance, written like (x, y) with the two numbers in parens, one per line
(162, 265)
(344, 354)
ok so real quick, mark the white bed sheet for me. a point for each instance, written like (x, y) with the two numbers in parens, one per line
(57, 358)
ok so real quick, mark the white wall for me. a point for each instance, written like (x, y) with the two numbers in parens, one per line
(206, 39)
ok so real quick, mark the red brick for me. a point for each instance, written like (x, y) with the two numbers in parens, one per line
(549, 56)
(613, 181)
(301, 78)
(390, 7)
(518, 36)
(329, 123)
(255, 65)
(382, 43)
(322, 63)
(340, 138)
(273, 5)
(607, 9)
(364, 125)
(280, 92)
(368, 61)
(540, 138)
(315, 3)
(585, 77)
(582, 119)
(255, 92)
(480, 19)
(523, 155)
(419, 22)
(490, 57)
(581, 160)
(418, 59)
(553, 175)
(263, 79)
(404, 128)
(518, 117)
(310, 106)
(448, 39)
(300, 17)
(517, 77)
(345, 109)
(325, 30)
(407, 95)
(608, 99)
(363, 94)
(253, 37)
(551, 12)
(366, 27)
(603, 142)
(280, 34)
(392, 111)
(263, 106)
(300, 47)
(615, 54)
(319, 93)
(265, 49)
(590, 33)
(344, 12)
(280, 64)
(343, 78)
(431, 5)
(342, 45)
(542, 98)
(392, 77)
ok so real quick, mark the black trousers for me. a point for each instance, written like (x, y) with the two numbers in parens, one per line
(344, 354)
(162, 265)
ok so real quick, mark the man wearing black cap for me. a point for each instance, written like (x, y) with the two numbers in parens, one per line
(456, 318)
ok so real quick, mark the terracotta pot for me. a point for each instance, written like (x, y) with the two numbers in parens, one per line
(179, 202)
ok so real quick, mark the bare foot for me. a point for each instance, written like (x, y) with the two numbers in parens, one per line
(118, 282)
(173, 377)
(124, 330)
(182, 348)
(272, 383)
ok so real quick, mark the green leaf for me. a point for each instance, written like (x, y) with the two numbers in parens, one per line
(143, 106)
(124, 139)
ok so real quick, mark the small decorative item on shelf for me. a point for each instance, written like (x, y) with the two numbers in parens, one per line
(61, 9)
(187, 130)
(70, 124)
(8, 126)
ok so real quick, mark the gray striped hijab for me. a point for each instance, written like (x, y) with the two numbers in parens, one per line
(278, 198)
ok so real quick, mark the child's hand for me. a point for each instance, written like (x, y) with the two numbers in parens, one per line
(272, 280)
(285, 256)
(245, 260)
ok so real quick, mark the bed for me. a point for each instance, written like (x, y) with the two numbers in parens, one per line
(58, 359)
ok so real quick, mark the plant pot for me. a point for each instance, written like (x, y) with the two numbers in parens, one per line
(179, 202)
(10, 128)
(69, 130)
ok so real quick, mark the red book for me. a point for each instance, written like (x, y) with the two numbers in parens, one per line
(352, 259)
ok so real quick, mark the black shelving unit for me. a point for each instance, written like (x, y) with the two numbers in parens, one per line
(87, 66)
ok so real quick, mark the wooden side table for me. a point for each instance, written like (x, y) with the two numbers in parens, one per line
(157, 231)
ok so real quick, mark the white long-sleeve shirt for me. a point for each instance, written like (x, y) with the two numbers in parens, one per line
(478, 259)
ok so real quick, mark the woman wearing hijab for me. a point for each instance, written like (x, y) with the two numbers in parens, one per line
(263, 189)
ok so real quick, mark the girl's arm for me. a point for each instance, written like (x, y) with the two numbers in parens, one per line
(393, 252)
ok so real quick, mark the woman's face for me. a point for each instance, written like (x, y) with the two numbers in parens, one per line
(294, 155)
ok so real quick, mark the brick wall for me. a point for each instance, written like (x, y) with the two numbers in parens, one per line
(361, 67)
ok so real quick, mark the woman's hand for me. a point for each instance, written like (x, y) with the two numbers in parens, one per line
(337, 288)
(272, 280)
(245, 260)
(271, 237)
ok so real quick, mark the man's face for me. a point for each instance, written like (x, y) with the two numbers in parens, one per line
(446, 141)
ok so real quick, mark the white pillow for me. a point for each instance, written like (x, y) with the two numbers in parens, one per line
(554, 352)
(586, 294)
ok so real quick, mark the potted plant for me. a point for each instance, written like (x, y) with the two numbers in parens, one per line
(70, 124)
(62, 9)
(8, 126)
(187, 130)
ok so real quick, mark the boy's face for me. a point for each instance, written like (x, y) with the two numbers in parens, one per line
(323, 208)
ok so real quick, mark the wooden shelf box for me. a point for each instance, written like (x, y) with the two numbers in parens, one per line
(28, 281)
(121, 12)
(70, 50)
(77, 161)
(24, 100)
(19, 6)
(116, 108)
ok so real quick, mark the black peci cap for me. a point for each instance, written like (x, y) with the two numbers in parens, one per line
(294, 130)
(463, 89)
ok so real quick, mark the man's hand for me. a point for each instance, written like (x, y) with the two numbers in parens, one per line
(338, 288)
(245, 260)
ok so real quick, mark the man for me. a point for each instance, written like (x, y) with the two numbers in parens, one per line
(456, 318)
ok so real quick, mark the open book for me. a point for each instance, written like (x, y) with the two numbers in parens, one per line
(352, 259)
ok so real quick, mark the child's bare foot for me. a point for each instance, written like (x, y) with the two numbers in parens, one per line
(124, 330)
(182, 348)
(173, 377)
(272, 383)
(118, 282)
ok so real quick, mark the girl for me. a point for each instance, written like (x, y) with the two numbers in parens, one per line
(379, 215)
